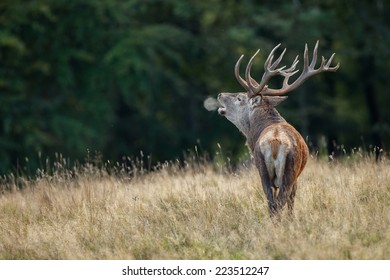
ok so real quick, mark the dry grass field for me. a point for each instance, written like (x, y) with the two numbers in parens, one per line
(342, 211)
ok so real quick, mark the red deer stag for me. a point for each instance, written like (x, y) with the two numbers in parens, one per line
(280, 153)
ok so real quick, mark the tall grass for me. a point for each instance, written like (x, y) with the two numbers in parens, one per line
(195, 212)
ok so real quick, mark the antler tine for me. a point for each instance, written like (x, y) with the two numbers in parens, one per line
(290, 71)
(305, 59)
(327, 66)
(314, 61)
(253, 89)
(292, 67)
(237, 73)
(271, 54)
(268, 65)
(323, 62)
(276, 63)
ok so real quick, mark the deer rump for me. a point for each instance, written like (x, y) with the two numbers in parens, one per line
(280, 158)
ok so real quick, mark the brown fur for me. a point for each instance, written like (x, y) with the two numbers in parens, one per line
(275, 144)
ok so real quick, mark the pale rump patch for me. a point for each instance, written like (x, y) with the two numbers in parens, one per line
(275, 145)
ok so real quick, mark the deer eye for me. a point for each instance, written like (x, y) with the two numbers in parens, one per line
(239, 98)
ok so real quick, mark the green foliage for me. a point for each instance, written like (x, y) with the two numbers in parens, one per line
(127, 76)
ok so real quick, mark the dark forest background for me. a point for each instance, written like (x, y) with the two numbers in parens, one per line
(121, 77)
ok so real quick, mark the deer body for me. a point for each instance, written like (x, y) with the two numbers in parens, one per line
(279, 151)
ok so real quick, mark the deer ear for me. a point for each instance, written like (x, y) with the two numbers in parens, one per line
(274, 100)
(255, 101)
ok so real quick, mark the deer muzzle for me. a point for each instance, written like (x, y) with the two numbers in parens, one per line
(222, 111)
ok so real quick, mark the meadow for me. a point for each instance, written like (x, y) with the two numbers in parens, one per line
(199, 211)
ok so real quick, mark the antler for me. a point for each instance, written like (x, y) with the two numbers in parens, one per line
(271, 70)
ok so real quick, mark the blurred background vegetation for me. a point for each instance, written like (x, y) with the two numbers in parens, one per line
(120, 77)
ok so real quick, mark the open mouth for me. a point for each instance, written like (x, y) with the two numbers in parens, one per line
(222, 111)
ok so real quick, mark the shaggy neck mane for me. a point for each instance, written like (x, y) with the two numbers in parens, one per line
(258, 122)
